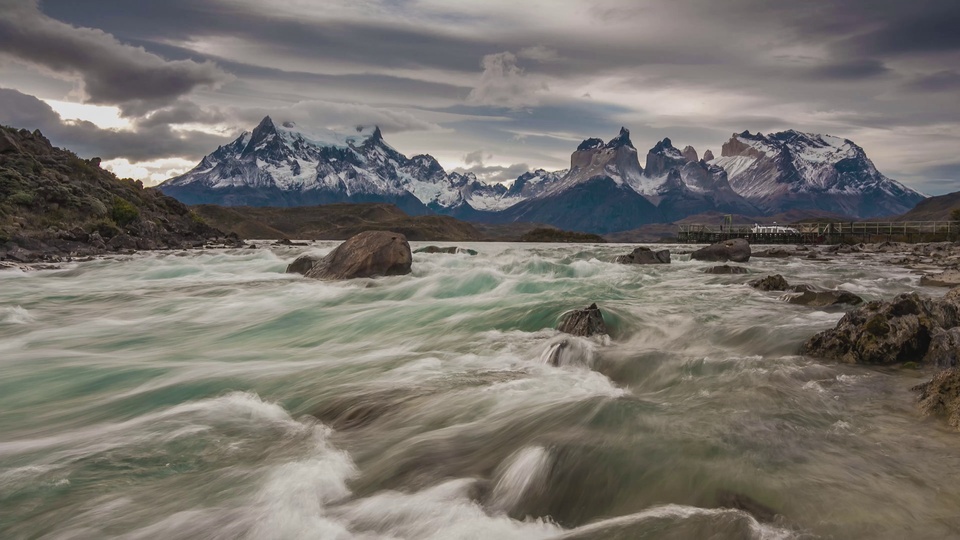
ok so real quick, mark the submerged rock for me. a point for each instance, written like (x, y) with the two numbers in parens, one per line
(736, 250)
(941, 396)
(583, 322)
(770, 283)
(814, 297)
(368, 254)
(450, 250)
(947, 278)
(726, 269)
(901, 330)
(645, 255)
(774, 253)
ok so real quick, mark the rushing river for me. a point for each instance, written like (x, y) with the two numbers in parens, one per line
(209, 395)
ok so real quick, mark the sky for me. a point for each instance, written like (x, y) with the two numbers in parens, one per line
(497, 87)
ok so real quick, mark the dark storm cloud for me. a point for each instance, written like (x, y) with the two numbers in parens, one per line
(87, 140)
(941, 81)
(878, 71)
(112, 73)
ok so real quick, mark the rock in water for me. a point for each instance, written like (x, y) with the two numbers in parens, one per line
(813, 297)
(368, 254)
(941, 396)
(583, 322)
(887, 332)
(450, 250)
(736, 250)
(771, 283)
(645, 255)
(302, 264)
(947, 278)
(725, 269)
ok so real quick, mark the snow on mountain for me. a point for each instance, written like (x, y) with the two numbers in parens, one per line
(794, 170)
(288, 165)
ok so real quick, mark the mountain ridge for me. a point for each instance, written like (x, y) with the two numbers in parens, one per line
(756, 174)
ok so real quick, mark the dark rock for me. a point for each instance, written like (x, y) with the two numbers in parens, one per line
(770, 283)
(708, 155)
(726, 269)
(583, 322)
(18, 254)
(645, 255)
(879, 332)
(450, 250)
(302, 264)
(736, 250)
(814, 297)
(941, 396)
(122, 241)
(368, 254)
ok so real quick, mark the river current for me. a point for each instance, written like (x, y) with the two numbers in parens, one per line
(209, 395)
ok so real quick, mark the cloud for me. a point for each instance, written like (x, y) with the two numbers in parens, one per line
(539, 53)
(111, 72)
(504, 84)
(475, 157)
(491, 173)
(86, 139)
(339, 116)
(941, 81)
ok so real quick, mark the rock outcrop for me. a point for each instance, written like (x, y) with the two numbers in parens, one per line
(56, 206)
(736, 250)
(689, 153)
(368, 254)
(645, 255)
(583, 322)
(898, 331)
(708, 155)
(941, 396)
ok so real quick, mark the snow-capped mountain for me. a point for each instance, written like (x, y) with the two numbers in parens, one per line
(604, 190)
(288, 166)
(793, 170)
(682, 185)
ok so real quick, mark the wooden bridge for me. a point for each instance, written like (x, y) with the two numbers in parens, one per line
(823, 233)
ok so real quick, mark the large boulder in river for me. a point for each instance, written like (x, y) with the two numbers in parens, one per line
(948, 278)
(368, 254)
(880, 332)
(941, 396)
(302, 264)
(645, 255)
(583, 322)
(735, 249)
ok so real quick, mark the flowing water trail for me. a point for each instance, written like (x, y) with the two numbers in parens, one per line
(207, 394)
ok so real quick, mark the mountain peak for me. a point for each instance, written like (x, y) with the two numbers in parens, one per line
(623, 139)
(267, 123)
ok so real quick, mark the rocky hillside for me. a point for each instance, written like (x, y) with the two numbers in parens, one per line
(54, 204)
(939, 208)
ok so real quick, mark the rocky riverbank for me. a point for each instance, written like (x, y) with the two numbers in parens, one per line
(55, 206)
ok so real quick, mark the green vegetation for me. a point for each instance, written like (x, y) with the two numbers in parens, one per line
(955, 214)
(123, 213)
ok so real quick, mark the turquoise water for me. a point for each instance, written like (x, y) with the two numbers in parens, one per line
(207, 394)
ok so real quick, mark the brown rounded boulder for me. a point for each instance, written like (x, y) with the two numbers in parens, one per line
(368, 254)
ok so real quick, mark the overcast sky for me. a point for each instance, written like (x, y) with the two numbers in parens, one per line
(494, 86)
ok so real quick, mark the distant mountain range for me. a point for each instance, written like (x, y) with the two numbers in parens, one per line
(604, 190)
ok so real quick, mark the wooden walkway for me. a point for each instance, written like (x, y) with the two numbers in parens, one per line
(825, 233)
